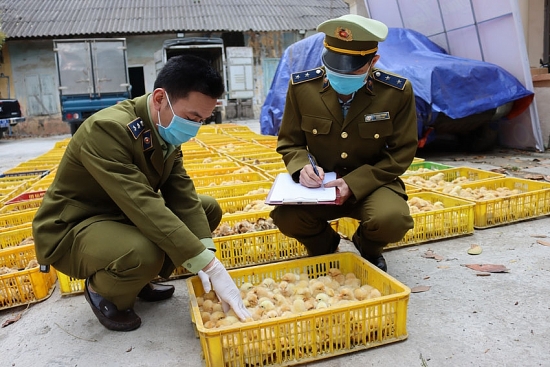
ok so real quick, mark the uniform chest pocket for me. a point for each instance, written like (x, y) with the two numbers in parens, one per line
(375, 130)
(316, 125)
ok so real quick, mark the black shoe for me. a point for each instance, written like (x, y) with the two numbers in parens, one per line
(109, 315)
(156, 292)
(376, 260)
(379, 262)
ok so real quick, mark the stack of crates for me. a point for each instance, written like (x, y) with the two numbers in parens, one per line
(21, 281)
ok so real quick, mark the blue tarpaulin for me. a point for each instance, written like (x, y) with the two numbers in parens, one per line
(442, 83)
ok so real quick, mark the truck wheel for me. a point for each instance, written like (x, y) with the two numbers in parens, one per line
(218, 117)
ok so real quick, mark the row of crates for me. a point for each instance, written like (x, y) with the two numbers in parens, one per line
(252, 257)
(459, 217)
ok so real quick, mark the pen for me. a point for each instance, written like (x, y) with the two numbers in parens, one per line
(314, 165)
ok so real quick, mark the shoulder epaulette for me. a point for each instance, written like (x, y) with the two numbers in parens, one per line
(136, 127)
(305, 76)
(392, 80)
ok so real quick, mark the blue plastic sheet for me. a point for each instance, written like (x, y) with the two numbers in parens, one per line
(442, 83)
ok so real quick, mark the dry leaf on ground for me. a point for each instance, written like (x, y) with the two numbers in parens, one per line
(498, 170)
(488, 268)
(12, 320)
(432, 255)
(420, 288)
(539, 235)
(534, 177)
(544, 243)
(474, 249)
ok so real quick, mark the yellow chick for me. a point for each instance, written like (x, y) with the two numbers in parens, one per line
(298, 306)
(320, 305)
(290, 277)
(322, 297)
(375, 293)
(217, 315)
(268, 283)
(266, 305)
(246, 287)
(210, 296)
(208, 305)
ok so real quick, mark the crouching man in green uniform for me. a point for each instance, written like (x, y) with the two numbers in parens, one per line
(359, 122)
(122, 209)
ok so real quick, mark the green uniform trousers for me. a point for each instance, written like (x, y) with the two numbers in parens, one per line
(118, 259)
(384, 218)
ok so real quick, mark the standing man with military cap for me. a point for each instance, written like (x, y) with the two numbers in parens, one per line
(359, 122)
(122, 209)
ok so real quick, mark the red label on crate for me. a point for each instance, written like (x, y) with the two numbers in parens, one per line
(27, 196)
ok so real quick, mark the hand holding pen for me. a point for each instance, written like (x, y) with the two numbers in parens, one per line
(312, 175)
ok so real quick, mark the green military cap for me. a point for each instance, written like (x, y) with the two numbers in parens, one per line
(350, 41)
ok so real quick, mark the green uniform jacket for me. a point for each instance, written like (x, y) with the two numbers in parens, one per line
(113, 171)
(370, 148)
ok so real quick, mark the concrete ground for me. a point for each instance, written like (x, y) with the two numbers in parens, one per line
(462, 320)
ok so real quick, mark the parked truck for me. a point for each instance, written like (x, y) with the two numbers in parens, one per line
(92, 75)
(209, 48)
(10, 115)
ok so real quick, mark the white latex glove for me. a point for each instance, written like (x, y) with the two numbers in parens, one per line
(225, 288)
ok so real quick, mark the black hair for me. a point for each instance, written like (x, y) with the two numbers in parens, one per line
(188, 73)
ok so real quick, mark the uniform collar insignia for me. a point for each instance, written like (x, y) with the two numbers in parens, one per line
(136, 127)
(147, 140)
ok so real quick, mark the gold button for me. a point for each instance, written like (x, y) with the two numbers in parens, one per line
(344, 155)
(314, 131)
(376, 136)
(344, 135)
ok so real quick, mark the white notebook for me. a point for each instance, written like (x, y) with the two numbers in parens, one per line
(286, 191)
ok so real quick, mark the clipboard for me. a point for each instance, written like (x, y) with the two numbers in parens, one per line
(285, 191)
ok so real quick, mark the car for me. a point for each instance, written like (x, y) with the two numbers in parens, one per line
(10, 115)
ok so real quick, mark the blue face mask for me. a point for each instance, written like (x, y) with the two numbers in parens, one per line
(179, 130)
(346, 84)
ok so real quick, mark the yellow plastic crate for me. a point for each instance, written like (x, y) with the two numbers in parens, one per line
(227, 191)
(312, 335)
(224, 170)
(14, 236)
(22, 205)
(238, 203)
(198, 154)
(229, 179)
(69, 286)
(15, 219)
(533, 200)
(9, 193)
(62, 144)
(200, 165)
(449, 175)
(456, 219)
(24, 286)
(258, 247)
(425, 167)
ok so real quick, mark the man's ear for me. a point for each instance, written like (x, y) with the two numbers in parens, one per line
(158, 97)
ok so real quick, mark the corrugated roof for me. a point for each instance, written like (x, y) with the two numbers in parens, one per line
(53, 18)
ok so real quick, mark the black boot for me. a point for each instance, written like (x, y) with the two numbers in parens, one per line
(374, 254)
